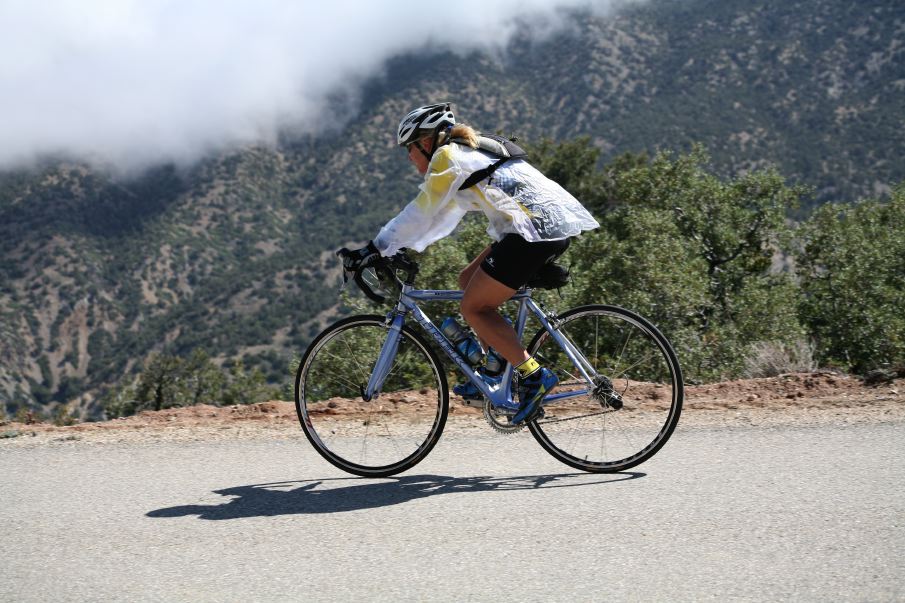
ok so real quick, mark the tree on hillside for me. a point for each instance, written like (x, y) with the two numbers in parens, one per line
(694, 253)
(852, 266)
(159, 385)
(171, 381)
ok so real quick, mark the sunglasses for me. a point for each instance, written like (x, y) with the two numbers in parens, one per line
(415, 144)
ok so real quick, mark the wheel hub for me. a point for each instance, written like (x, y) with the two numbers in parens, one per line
(605, 393)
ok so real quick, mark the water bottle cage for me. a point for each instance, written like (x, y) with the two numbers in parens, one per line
(470, 350)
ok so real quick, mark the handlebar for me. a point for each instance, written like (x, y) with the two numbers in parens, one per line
(386, 269)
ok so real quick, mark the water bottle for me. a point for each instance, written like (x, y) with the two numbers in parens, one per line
(463, 342)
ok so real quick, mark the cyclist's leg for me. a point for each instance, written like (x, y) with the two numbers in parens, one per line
(468, 271)
(510, 264)
(480, 308)
(468, 390)
(480, 304)
(495, 275)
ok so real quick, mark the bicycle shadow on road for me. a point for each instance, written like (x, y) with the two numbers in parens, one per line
(332, 496)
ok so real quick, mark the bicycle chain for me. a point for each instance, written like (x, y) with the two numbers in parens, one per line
(553, 419)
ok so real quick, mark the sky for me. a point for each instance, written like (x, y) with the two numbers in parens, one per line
(130, 83)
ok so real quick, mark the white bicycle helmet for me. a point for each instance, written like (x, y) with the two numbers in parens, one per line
(427, 119)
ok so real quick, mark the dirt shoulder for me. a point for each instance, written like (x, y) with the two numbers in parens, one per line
(793, 399)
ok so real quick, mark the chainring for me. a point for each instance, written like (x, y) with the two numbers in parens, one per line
(500, 422)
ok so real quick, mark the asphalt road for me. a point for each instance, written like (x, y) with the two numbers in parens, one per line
(752, 514)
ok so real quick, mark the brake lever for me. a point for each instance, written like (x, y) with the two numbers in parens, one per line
(369, 293)
(342, 253)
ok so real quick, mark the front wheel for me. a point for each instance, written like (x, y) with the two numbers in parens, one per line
(632, 407)
(378, 437)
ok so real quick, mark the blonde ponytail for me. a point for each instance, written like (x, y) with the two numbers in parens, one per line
(463, 133)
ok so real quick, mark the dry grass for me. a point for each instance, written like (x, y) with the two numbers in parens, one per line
(773, 358)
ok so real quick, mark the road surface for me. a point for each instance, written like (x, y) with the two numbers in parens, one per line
(727, 514)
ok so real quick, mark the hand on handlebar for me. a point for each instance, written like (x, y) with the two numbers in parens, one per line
(357, 259)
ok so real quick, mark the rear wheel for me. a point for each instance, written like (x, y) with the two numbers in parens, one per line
(383, 436)
(634, 405)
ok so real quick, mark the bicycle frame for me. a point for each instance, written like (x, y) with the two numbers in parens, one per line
(500, 396)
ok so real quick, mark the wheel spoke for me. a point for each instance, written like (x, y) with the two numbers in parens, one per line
(621, 353)
(353, 357)
(618, 374)
(353, 387)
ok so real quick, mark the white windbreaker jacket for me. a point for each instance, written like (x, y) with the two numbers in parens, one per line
(516, 199)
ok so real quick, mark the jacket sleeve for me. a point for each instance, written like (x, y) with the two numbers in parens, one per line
(433, 214)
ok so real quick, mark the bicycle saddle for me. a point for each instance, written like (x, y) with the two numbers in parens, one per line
(549, 276)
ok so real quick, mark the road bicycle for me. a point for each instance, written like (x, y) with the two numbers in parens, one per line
(372, 394)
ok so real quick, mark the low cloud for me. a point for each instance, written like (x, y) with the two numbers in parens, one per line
(128, 83)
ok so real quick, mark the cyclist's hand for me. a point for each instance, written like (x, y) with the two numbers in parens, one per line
(359, 258)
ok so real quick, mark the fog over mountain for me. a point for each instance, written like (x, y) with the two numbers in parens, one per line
(128, 83)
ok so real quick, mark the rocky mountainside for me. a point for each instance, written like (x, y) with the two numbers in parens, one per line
(233, 255)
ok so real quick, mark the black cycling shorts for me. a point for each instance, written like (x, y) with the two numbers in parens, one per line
(513, 260)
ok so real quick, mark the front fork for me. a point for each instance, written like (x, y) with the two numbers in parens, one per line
(385, 359)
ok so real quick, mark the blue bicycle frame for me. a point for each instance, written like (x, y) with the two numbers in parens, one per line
(500, 396)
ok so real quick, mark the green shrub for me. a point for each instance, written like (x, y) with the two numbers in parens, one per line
(171, 381)
(852, 269)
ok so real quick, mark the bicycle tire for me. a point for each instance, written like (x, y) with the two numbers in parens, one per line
(651, 390)
(332, 412)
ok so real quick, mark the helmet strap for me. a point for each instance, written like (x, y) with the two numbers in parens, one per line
(423, 152)
(434, 140)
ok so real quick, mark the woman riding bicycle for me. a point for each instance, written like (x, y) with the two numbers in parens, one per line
(532, 220)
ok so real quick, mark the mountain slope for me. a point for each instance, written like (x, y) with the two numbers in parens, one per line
(233, 254)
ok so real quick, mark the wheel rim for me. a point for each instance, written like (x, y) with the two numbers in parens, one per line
(386, 434)
(587, 431)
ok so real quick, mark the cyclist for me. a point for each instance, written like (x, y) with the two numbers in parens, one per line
(532, 220)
